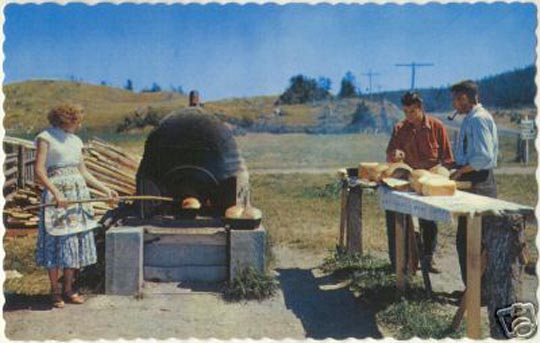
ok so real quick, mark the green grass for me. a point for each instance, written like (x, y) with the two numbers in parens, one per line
(299, 210)
(250, 284)
(402, 315)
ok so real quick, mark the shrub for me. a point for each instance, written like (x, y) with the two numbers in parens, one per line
(250, 284)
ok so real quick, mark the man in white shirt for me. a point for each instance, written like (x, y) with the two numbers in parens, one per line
(475, 153)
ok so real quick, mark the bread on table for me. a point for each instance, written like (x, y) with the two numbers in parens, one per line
(440, 170)
(437, 186)
(376, 174)
(398, 170)
(364, 169)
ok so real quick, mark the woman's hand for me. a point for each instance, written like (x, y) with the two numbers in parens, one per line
(61, 201)
(113, 195)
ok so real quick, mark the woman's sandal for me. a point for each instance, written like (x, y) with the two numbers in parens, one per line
(57, 300)
(74, 298)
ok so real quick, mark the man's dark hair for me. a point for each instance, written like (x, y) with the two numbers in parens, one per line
(411, 98)
(467, 87)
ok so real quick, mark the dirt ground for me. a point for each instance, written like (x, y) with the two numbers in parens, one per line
(307, 306)
(301, 309)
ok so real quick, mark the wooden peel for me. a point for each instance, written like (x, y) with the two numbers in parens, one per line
(122, 198)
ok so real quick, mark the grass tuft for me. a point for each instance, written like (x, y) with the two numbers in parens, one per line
(250, 284)
(423, 318)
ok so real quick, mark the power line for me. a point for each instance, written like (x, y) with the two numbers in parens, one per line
(413, 67)
(370, 75)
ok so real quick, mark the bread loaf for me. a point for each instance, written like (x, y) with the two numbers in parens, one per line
(364, 168)
(437, 186)
(252, 213)
(234, 212)
(440, 170)
(397, 184)
(191, 204)
(376, 174)
(415, 179)
(398, 171)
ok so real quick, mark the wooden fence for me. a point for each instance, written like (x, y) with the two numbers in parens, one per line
(18, 165)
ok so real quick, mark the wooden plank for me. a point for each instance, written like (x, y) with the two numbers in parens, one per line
(10, 160)
(400, 251)
(474, 276)
(343, 217)
(10, 182)
(21, 177)
(412, 260)
(354, 222)
(10, 172)
(458, 317)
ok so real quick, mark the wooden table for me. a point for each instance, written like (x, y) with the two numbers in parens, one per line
(448, 209)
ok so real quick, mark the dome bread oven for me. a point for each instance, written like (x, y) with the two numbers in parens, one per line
(191, 154)
(191, 157)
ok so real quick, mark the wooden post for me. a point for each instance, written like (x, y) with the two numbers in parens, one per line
(400, 251)
(354, 220)
(412, 255)
(474, 275)
(343, 213)
(21, 167)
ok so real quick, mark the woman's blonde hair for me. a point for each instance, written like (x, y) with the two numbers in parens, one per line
(65, 114)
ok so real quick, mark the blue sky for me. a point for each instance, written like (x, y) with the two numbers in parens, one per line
(232, 51)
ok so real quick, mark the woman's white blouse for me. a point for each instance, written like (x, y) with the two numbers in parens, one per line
(65, 149)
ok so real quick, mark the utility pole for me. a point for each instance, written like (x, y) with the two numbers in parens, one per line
(413, 66)
(370, 75)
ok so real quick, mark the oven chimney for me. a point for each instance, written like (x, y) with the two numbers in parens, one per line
(194, 100)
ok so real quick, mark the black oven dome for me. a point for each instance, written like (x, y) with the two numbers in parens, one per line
(190, 137)
(191, 153)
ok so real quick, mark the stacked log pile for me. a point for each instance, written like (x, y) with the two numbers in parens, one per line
(109, 164)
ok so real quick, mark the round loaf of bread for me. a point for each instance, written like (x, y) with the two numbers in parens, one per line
(234, 212)
(191, 204)
(252, 213)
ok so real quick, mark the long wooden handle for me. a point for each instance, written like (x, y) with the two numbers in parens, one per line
(123, 198)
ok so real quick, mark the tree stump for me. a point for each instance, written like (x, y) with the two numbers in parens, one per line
(504, 241)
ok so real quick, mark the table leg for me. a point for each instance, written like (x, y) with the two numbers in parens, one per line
(474, 276)
(400, 251)
(343, 218)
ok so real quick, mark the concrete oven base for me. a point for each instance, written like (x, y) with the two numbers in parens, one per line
(205, 255)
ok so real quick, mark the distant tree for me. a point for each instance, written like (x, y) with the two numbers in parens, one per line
(177, 89)
(362, 118)
(155, 87)
(103, 83)
(348, 86)
(129, 85)
(324, 83)
(303, 89)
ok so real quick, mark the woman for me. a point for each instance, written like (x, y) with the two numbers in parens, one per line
(65, 238)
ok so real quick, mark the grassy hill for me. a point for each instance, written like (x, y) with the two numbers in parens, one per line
(27, 103)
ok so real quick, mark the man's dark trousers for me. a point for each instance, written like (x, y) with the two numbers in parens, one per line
(483, 183)
(429, 236)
